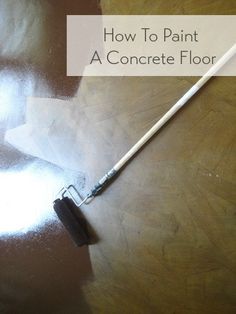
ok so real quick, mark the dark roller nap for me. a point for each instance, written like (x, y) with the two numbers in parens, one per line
(69, 215)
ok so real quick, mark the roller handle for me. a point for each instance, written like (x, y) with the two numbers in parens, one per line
(103, 183)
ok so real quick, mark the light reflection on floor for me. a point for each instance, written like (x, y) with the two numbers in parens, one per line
(13, 92)
(26, 199)
(27, 194)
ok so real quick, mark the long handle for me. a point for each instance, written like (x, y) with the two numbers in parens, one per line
(180, 103)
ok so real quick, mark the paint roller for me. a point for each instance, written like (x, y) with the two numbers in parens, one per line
(68, 208)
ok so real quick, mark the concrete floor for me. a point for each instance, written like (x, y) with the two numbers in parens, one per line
(166, 227)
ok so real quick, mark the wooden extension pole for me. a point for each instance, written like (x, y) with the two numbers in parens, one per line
(172, 111)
